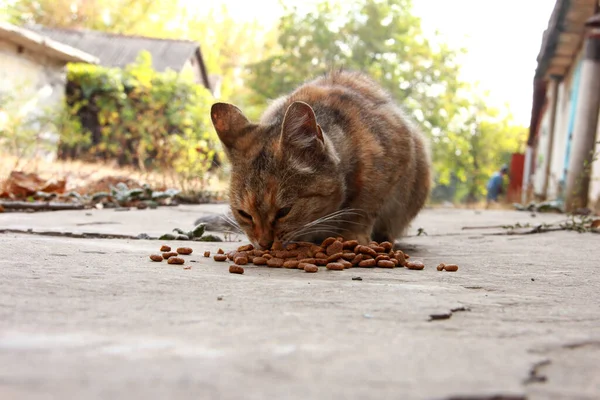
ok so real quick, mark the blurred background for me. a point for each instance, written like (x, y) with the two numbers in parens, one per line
(97, 92)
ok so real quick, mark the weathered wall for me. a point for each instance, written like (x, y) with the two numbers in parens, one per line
(35, 82)
(594, 194)
(541, 158)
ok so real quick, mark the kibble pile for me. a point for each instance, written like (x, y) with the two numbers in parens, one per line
(335, 254)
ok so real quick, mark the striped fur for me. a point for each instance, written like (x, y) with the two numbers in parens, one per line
(334, 157)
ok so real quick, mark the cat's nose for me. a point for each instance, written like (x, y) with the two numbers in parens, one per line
(265, 243)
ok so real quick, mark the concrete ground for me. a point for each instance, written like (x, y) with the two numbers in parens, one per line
(96, 319)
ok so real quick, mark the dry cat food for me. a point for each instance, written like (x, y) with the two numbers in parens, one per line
(310, 268)
(186, 251)
(169, 255)
(164, 248)
(415, 265)
(334, 254)
(156, 257)
(220, 257)
(236, 269)
(447, 267)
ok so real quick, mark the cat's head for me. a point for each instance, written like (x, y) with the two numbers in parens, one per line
(284, 174)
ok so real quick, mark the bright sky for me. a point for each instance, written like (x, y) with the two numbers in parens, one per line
(502, 37)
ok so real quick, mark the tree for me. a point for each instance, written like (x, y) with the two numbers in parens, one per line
(116, 16)
(383, 38)
(380, 37)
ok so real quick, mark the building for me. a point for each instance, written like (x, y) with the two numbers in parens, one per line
(114, 50)
(564, 128)
(33, 76)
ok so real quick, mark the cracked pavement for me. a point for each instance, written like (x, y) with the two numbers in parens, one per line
(95, 318)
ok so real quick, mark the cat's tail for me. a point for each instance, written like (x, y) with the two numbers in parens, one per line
(221, 222)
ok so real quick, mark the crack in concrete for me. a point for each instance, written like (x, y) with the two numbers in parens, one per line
(489, 397)
(447, 315)
(534, 373)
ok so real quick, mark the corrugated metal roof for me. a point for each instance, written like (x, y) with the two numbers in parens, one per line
(115, 50)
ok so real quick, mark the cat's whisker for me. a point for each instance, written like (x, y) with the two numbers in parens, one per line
(231, 222)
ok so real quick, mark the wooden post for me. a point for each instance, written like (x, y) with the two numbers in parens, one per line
(584, 130)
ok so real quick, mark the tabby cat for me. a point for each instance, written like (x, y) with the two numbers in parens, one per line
(336, 157)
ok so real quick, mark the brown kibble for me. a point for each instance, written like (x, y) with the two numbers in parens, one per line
(320, 255)
(292, 246)
(257, 253)
(357, 259)
(291, 264)
(156, 257)
(386, 264)
(220, 251)
(275, 262)
(186, 251)
(334, 257)
(401, 257)
(321, 261)
(316, 249)
(378, 249)
(236, 269)
(259, 261)
(175, 260)
(350, 244)
(327, 242)
(367, 263)
(382, 257)
(207, 254)
(247, 247)
(348, 256)
(241, 260)
(164, 248)
(281, 254)
(387, 246)
(169, 255)
(451, 267)
(187, 267)
(308, 260)
(220, 257)
(310, 268)
(346, 264)
(277, 245)
(334, 248)
(417, 265)
(230, 255)
(335, 266)
(441, 267)
(365, 250)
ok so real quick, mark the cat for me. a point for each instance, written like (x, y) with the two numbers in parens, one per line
(336, 157)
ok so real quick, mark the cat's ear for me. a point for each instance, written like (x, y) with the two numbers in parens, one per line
(229, 122)
(300, 128)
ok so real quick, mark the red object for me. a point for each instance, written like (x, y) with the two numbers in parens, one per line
(515, 186)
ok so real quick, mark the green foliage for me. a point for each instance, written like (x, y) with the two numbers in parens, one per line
(141, 117)
(117, 16)
(469, 140)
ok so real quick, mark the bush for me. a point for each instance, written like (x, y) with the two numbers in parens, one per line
(141, 118)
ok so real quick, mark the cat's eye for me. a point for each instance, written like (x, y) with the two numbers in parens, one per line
(283, 212)
(245, 215)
